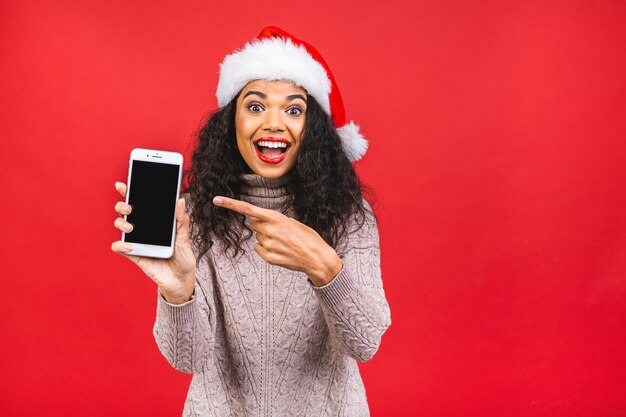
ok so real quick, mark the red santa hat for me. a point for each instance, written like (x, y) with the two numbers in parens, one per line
(277, 55)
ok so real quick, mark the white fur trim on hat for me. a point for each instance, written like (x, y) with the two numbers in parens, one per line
(354, 144)
(272, 59)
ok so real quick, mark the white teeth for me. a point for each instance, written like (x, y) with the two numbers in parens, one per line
(268, 144)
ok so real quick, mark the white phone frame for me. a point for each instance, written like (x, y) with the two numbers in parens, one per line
(153, 155)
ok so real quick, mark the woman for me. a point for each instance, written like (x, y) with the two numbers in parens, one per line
(274, 290)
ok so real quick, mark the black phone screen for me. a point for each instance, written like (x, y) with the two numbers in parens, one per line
(152, 194)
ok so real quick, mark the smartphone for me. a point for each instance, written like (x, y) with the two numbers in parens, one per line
(154, 179)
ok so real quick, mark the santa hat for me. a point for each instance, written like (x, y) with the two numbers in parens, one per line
(277, 55)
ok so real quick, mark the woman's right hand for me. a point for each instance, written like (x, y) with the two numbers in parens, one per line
(176, 276)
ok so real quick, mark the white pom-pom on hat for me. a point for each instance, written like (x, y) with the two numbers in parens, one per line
(277, 55)
(354, 144)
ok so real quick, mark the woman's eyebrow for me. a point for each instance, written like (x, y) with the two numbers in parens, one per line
(295, 96)
(262, 95)
(258, 93)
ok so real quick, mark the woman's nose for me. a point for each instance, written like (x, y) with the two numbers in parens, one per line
(273, 120)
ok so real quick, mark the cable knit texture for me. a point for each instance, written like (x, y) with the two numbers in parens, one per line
(260, 340)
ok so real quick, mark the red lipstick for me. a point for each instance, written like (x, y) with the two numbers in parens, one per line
(267, 159)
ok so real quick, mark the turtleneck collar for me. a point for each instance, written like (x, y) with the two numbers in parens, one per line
(264, 192)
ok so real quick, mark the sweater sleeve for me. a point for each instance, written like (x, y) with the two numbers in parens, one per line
(185, 333)
(354, 303)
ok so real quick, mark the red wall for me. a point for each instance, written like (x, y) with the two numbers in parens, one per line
(497, 152)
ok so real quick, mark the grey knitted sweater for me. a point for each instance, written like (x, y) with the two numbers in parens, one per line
(260, 340)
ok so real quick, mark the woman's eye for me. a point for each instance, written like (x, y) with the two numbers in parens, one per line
(255, 107)
(294, 111)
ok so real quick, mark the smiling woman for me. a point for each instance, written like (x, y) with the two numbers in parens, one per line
(269, 122)
(285, 294)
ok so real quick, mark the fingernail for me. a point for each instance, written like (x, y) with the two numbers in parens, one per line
(218, 200)
(127, 248)
(128, 227)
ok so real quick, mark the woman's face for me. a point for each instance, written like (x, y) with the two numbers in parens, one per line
(269, 122)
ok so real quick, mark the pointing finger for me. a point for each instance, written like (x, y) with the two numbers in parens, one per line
(244, 208)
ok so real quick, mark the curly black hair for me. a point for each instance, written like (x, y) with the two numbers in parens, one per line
(324, 191)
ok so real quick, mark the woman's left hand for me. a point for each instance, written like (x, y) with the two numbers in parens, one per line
(286, 242)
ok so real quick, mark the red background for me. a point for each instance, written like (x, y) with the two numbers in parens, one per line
(497, 152)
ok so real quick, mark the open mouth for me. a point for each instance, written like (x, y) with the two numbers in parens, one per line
(272, 151)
